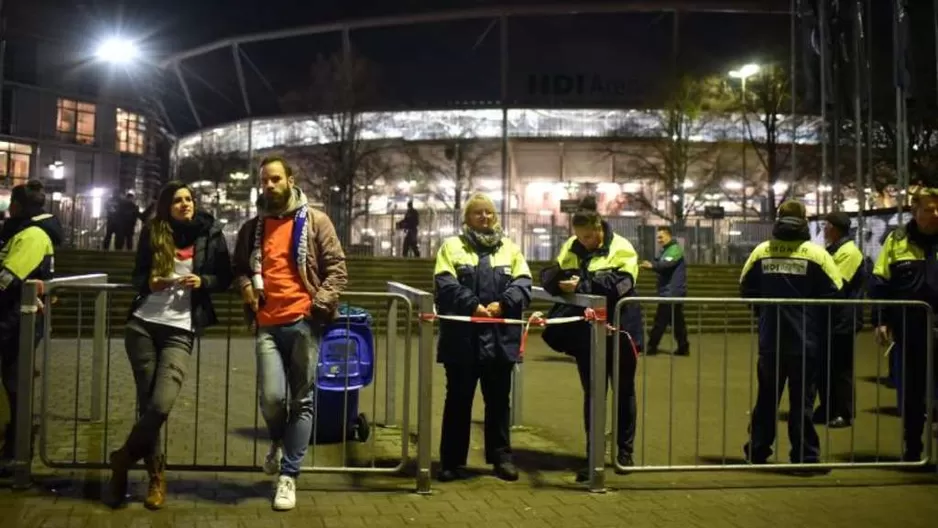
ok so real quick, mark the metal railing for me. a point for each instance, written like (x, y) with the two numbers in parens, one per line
(69, 439)
(424, 303)
(708, 380)
(29, 317)
(596, 443)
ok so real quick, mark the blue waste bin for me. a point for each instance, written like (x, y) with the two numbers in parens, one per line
(345, 366)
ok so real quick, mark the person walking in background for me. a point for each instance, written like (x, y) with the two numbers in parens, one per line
(672, 282)
(597, 261)
(27, 250)
(479, 273)
(791, 336)
(127, 216)
(182, 259)
(835, 383)
(409, 225)
(112, 221)
(290, 268)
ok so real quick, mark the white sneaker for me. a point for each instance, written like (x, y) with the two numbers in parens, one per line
(285, 498)
(272, 460)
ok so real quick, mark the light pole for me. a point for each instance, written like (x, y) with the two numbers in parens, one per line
(742, 74)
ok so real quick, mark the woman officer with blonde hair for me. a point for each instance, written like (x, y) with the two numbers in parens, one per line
(479, 273)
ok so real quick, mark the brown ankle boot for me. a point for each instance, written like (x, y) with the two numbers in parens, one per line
(156, 490)
(120, 463)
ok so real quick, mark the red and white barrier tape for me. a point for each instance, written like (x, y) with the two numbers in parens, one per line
(536, 319)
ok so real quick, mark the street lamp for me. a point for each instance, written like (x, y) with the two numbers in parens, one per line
(742, 74)
(117, 50)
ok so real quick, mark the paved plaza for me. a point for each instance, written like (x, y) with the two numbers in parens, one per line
(693, 410)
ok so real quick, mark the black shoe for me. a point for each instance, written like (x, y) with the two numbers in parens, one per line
(583, 475)
(682, 351)
(650, 351)
(506, 471)
(839, 423)
(754, 460)
(451, 474)
(624, 459)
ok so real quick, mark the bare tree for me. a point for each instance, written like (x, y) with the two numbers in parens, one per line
(343, 167)
(686, 152)
(766, 110)
(460, 160)
(211, 170)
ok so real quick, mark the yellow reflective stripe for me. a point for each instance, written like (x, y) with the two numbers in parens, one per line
(848, 259)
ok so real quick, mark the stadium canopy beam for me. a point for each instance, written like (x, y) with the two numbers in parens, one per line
(236, 56)
(640, 6)
(185, 91)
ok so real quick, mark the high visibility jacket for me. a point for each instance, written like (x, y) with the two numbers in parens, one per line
(27, 250)
(906, 269)
(466, 276)
(849, 261)
(791, 267)
(610, 271)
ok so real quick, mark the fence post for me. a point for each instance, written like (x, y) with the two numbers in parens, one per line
(390, 399)
(516, 395)
(424, 393)
(98, 360)
(596, 452)
(26, 356)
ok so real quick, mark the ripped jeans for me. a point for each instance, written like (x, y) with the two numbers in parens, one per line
(286, 370)
(159, 357)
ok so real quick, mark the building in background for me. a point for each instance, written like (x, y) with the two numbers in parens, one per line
(84, 127)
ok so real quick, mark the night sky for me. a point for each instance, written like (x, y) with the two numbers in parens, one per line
(422, 66)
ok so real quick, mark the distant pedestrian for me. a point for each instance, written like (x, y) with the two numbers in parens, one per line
(672, 282)
(409, 225)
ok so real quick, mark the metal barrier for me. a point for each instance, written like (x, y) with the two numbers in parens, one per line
(29, 317)
(596, 443)
(677, 373)
(424, 303)
(219, 374)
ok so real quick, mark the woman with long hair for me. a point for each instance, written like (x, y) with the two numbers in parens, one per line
(479, 273)
(182, 258)
(597, 261)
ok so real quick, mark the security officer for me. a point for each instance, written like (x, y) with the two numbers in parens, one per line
(790, 336)
(672, 282)
(27, 246)
(905, 270)
(836, 379)
(597, 261)
(479, 273)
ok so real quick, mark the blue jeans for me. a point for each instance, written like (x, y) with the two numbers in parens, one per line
(286, 358)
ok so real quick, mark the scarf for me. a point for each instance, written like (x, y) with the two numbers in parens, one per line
(185, 233)
(485, 241)
(297, 206)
